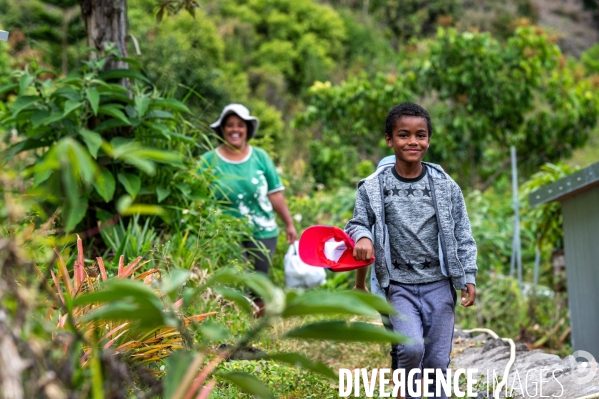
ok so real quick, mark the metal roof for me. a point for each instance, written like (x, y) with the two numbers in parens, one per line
(567, 186)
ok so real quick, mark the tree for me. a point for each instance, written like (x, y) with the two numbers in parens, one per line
(483, 96)
(106, 22)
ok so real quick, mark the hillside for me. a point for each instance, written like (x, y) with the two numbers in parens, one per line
(576, 27)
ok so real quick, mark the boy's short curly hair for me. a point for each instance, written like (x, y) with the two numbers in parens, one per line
(407, 109)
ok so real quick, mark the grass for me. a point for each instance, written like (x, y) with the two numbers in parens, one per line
(289, 382)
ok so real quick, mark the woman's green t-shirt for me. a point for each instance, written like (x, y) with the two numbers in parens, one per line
(245, 185)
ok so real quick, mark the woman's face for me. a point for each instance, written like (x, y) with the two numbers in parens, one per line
(235, 131)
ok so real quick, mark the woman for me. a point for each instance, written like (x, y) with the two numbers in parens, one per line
(247, 178)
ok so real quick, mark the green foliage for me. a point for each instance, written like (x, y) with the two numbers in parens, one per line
(4, 64)
(590, 59)
(283, 380)
(539, 318)
(301, 39)
(97, 144)
(413, 18)
(367, 45)
(146, 323)
(131, 241)
(183, 55)
(51, 25)
(503, 95)
(546, 220)
(483, 96)
(499, 305)
(351, 120)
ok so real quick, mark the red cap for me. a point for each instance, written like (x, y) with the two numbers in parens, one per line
(329, 246)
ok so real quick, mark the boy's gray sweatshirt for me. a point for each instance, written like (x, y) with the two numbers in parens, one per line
(457, 248)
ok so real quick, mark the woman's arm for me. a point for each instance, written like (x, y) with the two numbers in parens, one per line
(278, 203)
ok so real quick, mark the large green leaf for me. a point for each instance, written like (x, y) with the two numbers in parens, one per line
(114, 111)
(131, 183)
(111, 124)
(376, 302)
(81, 163)
(144, 315)
(162, 193)
(177, 365)
(39, 117)
(70, 106)
(94, 99)
(143, 209)
(41, 174)
(348, 332)
(24, 83)
(160, 128)
(21, 146)
(127, 300)
(171, 103)
(248, 384)
(324, 302)
(169, 157)
(257, 282)
(214, 332)
(75, 213)
(236, 297)
(116, 289)
(175, 280)
(141, 105)
(92, 140)
(67, 92)
(105, 184)
(23, 102)
(8, 87)
(157, 114)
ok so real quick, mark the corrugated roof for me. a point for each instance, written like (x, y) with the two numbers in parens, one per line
(567, 186)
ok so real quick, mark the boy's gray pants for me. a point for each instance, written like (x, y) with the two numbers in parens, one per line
(426, 314)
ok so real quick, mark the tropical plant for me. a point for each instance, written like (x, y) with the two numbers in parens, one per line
(86, 134)
(151, 330)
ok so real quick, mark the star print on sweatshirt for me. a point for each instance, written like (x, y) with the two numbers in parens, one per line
(413, 230)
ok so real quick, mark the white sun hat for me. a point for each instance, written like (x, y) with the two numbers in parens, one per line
(241, 112)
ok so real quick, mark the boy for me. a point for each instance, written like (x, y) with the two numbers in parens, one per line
(412, 217)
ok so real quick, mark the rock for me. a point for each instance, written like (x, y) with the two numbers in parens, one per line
(522, 348)
(494, 343)
(245, 353)
(459, 333)
(479, 337)
(530, 371)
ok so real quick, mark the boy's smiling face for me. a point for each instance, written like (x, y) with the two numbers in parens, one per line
(409, 139)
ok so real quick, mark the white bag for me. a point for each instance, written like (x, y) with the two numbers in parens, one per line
(300, 275)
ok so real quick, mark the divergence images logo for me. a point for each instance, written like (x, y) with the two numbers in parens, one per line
(582, 372)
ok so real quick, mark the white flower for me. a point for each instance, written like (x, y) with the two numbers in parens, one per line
(185, 211)
(298, 217)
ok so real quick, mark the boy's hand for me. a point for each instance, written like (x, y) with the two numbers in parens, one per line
(363, 250)
(470, 292)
